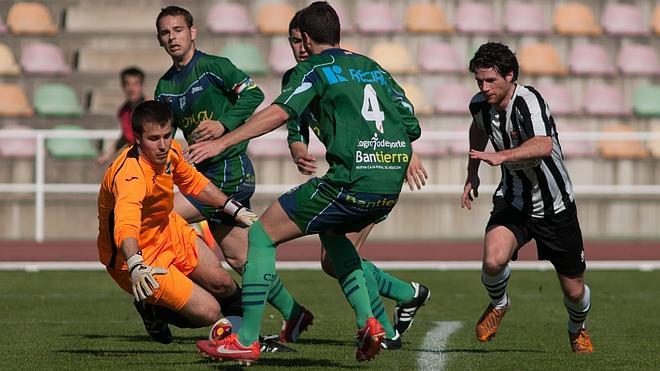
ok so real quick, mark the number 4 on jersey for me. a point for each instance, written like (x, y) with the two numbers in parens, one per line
(370, 108)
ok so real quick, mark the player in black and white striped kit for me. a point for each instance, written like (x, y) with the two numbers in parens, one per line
(534, 199)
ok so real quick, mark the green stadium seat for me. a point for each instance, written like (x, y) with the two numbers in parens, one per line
(246, 57)
(71, 148)
(646, 101)
(56, 100)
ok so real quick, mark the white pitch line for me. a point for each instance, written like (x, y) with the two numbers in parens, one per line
(641, 265)
(435, 342)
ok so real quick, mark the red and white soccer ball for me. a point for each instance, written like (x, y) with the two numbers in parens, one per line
(225, 327)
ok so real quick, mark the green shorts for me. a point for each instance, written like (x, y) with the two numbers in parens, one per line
(319, 206)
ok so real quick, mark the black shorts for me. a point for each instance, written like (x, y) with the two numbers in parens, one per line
(558, 237)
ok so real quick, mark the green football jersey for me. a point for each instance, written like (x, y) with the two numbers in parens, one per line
(363, 117)
(298, 127)
(209, 88)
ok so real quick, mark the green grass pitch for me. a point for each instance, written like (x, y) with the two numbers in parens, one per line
(81, 321)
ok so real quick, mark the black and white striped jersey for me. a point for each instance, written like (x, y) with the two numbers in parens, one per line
(539, 186)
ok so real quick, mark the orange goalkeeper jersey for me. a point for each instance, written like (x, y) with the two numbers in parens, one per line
(136, 199)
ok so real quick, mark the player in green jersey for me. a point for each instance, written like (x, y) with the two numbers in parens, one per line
(410, 296)
(209, 96)
(367, 126)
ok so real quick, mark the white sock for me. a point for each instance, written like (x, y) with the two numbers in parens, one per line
(577, 312)
(496, 287)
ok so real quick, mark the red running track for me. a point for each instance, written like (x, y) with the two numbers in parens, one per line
(308, 250)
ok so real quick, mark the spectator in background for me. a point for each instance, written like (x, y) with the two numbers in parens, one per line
(132, 84)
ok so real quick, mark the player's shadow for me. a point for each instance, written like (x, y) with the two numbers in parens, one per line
(331, 342)
(119, 353)
(279, 362)
(458, 350)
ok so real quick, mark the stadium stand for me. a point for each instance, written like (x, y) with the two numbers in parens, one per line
(30, 19)
(655, 20)
(97, 19)
(71, 148)
(646, 100)
(106, 60)
(604, 99)
(621, 149)
(230, 18)
(13, 101)
(623, 20)
(274, 18)
(590, 59)
(453, 97)
(280, 58)
(393, 56)
(427, 17)
(525, 18)
(575, 19)
(247, 57)
(8, 65)
(17, 147)
(558, 97)
(43, 58)
(638, 59)
(376, 17)
(474, 17)
(540, 59)
(56, 99)
(418, 99)
(439, 56)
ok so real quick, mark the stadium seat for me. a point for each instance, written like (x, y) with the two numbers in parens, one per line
(347, 24)
(603, 99)
(624, 148)
(590, 59)
(416, 96)
(655, 20)
(103, 18)
(71, 148)
(438, 56)
(558, 98)
(280, 57)
(230, 18)
(26, 18)
(646, 100)
(654, 145)
(638, 59)
(272, 144)
(426, 17)
(17, 147)
(473, 17)
(540, 59)
(452, 98)
(3, 26)
(55, 99)
(13, 101)
(460, 147)
(43, 58)
(246, 57)
(623, 20)
(575, 19)
(430, 148)
(8, 65)
(376, 17)
(525, 18)
(393, 57)
(574, 147)
(274, 18)
(92, 60)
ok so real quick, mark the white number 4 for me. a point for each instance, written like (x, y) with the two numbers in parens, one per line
(370, 108)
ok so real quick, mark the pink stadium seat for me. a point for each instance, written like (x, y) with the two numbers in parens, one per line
(473, 17)
(280, 57)
(574, 147)
(17, 147)
(43, 58)
(558, 98)
(438, 56)
(376, 17)
(452, 98)
(231, 18)
(273, 144)
(623, 19)
(590, 59)
(347, 24)
(459, 147)
(603, 99)
(525, 18)
(638, 59)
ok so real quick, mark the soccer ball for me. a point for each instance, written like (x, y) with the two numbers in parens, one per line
(225, 327)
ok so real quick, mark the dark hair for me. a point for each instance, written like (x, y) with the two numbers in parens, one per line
(497, 56)
(151, 112)
(174, 11)
(131, 71)
(320, 21)
(294, 22)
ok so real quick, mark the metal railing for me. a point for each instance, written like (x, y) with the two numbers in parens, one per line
(39, 187)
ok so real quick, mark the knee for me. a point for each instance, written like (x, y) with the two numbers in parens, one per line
(223, 287)
(236, 264)
(493, 266)
(574, 294)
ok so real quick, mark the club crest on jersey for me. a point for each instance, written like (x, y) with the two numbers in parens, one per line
(333, 74)
(182, 102)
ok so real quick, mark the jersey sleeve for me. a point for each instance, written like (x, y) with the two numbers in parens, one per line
(297, 130)
(534, 113)
(304, 85)
(405, 109)
(236, 83)
(185, 176)
(129, 189)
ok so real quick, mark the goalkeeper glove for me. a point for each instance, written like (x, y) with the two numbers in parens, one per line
(142, 277)
(240, 213)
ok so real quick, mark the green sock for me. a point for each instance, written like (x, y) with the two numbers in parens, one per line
(377, 306)
(390, 286)
(258, 275)
(346, 262)
(280, 298)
